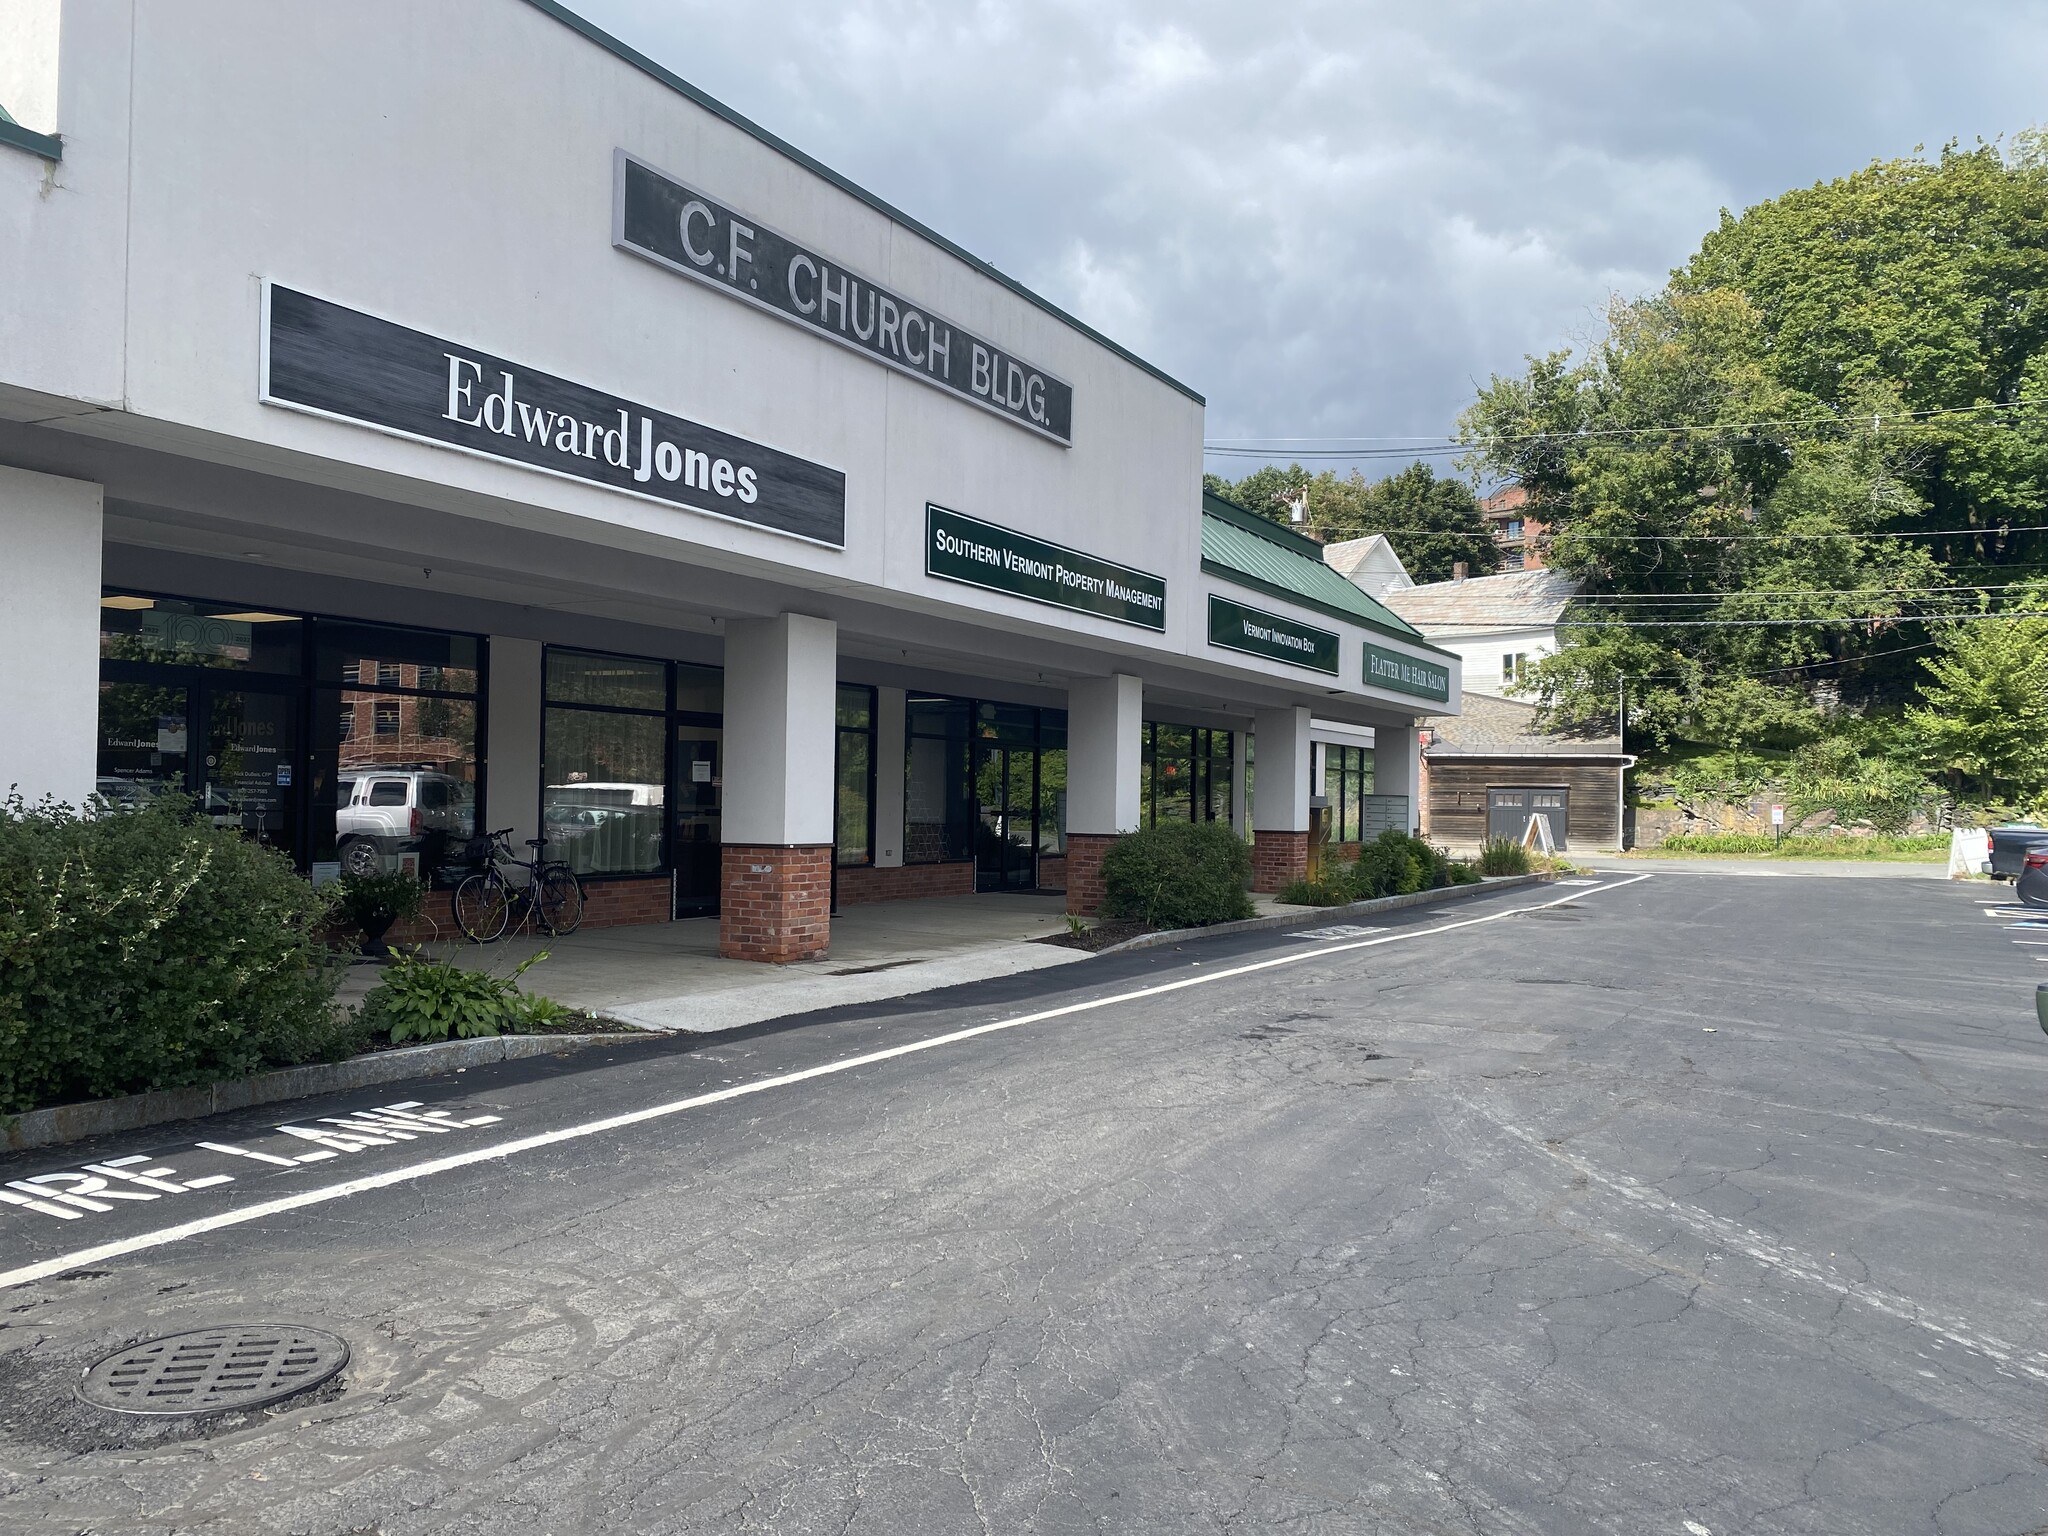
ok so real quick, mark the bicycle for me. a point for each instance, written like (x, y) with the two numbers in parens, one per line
(484, 902)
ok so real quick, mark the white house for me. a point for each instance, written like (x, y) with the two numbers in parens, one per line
(1498, 626)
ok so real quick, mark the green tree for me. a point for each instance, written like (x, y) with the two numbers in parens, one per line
(1431, 520)
(1983, 719)
(1726, 469)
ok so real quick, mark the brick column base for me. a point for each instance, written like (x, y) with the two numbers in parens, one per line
(1084, 870)
(1278, 860)
(774, 904)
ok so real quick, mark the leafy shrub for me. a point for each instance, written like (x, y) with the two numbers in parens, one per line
(1395, 864)
(1316, 893)
(1181, 874)
(1805, 845)
(1503, 856)
(1464, 874)
(421, 999)
(366, 901)
(143, 948)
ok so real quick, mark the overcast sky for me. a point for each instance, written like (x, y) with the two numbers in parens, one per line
(1333, 219)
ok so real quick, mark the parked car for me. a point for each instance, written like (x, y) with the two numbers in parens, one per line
(382, 812)
(2032, 885)
(2009, 845)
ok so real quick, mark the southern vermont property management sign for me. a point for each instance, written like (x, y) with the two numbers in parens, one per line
(962, 548)
(656, 216)
(1259, 633)
(1406, 674)
(334, 361)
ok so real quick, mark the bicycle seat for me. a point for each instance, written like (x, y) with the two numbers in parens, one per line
(536, 842)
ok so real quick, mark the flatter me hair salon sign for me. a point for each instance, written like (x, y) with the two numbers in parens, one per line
(657, 217)
(962, 548)
(333, 361)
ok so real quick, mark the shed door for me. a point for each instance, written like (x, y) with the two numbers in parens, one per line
(1508, 812)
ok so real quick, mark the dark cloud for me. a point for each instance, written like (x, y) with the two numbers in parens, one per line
(1334, 218)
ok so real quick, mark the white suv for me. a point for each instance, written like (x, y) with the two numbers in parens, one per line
(380, 813)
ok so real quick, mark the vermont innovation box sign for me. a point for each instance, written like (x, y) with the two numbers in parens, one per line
(1259, 633)
(656, 216)
(340, 362)
(962, 548)
(1406, 674)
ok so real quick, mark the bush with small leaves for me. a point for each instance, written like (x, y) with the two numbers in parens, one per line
(1182, 874)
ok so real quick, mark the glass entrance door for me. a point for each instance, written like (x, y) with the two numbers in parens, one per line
(145, 740)
(696, 822)
(249, 762)
(1006, 834)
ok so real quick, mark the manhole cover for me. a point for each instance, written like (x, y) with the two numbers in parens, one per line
(213, 1369)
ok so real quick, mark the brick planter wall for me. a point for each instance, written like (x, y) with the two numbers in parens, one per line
(865, 883)
(1278, 859)
(775, 904)
(623, 903)
(1084, 871)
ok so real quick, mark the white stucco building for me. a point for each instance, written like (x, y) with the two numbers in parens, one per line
(419, 419)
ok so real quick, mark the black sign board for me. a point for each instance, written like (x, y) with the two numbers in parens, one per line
(334, 361)
(1274, 636)
(656, 216)
(1406, 674)
(962, 548)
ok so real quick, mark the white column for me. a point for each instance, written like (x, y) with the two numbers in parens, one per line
(1280, 803)
(1105, 736)
(889, 748)
(1397, 766)
(781, 676)
(50, 535)
(512, 764)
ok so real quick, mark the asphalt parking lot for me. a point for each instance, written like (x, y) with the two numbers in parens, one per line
(1673, 1203)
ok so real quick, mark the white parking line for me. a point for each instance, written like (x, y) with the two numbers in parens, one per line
(262, 1210)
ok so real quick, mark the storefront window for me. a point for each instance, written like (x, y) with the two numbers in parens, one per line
(172, 632)
(853, 823)
(604, 762)
(1185, 773)
(1347, 780)
(938, 796)
(397, 785)
(350, 746)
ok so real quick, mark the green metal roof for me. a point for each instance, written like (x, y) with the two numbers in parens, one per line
(781, 146)
(1254, 551)
(49, 145)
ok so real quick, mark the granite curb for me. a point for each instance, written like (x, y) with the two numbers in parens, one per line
(1319, 915)
(75, 1122)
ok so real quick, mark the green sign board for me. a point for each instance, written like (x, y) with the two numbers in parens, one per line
(962, 548)
(1259, 633)
(1406, 674)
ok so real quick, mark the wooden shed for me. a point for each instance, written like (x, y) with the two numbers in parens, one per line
(1487, 771)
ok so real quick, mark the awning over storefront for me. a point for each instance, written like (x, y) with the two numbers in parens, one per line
(1253, 551)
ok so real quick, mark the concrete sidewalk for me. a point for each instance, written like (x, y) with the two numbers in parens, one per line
(669, 977)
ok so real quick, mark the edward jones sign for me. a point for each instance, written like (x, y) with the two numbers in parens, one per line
(333, 361)
(1406, 674)
(657, 217)
(965, 549)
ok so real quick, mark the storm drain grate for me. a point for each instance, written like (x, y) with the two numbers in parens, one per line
(213, 1369)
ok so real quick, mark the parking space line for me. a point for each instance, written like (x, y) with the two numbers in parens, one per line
(262, 1210)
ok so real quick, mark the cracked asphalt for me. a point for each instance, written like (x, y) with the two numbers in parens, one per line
(1693, 1205)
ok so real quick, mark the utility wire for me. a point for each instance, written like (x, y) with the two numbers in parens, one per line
(1698, 538)
(1221, 444)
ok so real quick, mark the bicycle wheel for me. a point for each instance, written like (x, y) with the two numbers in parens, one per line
(558, 899)
(482, 904)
